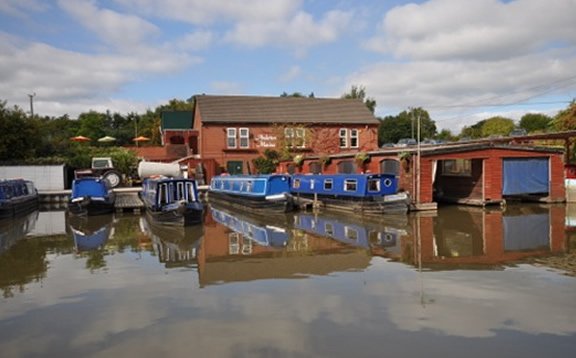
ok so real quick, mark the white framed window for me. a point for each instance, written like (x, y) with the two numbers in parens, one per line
(354, 138)
(328, 184)
(350, 185)
(350, 233)
(244, 137)
(295, 137)
(374, 185)
(343, 136)
(231, 137)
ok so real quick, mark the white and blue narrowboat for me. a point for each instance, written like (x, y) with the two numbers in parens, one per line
(366, 194)
(172, 201)
(17, 197)
(351, 232)
(91, 196)
(249, 227)
(258, 193)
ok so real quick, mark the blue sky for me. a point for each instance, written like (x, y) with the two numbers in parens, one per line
(462, 60)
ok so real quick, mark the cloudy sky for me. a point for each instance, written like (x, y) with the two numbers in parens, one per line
(461, 60)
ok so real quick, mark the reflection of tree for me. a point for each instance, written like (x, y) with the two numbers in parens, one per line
(95, 260)
(26, 262)
(127, 233)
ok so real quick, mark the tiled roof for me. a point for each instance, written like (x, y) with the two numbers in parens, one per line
(255, 109)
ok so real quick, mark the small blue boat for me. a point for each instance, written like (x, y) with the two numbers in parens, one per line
(17, 197)
(366, 194)
(91, 196)
(259, 193)
(251, 228)
(172, 201)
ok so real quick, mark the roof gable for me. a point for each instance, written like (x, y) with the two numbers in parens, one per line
(176, 120)
(255, 109)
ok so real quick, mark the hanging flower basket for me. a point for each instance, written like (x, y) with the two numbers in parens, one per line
(298, 160)
(361, 157)
(325, 160)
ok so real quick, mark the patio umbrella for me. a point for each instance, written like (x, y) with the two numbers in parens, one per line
(141, 139)
(80, 138)
(106, 139)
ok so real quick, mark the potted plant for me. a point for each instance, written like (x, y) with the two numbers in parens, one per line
(298, 160)
(405, 158)
(324, 160)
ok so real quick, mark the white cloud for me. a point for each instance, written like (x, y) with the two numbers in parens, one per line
(226, 87)
(482, 29)
(123, 31)
(20, 8)
(195, 41)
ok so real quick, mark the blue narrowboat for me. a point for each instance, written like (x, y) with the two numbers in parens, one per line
(258, 193)
(172, 201)
(251, 228)
(91, 196)
(366, 194)
(17, 197)
(369, 236)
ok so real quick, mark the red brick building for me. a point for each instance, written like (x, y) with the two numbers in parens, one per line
(234, 130)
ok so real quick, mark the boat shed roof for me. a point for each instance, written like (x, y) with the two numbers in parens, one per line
(258, 109)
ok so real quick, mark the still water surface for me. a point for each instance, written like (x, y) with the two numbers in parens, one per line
(451, 284)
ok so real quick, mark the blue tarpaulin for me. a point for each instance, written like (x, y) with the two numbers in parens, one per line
(526, 232)
(525, 176)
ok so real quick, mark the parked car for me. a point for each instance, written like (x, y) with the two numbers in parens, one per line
(405, 142)
(518, 132)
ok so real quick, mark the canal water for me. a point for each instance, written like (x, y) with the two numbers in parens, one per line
(460, 282)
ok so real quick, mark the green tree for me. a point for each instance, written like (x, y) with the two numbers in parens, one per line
(93, 124)
(535, 122)
(267, 164)
(566, 118)
(18, 134)
(359, 92)
(497, 126)
(405, 125)
(474, 131)
(446, 135)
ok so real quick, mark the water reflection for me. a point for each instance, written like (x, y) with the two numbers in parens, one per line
(90, 234)
(176, 246)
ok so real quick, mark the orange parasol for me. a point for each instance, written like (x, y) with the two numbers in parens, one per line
(80, 138)
(141, 139)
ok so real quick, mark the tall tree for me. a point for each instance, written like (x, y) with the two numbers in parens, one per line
(405, 125)
(359, 92)
(566, 118)
(497, 126)
(18, 133)
(535, 122)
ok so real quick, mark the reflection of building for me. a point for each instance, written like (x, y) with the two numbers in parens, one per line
(229, 256)
(474, 236)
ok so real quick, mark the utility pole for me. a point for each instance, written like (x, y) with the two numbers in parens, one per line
(32, 104)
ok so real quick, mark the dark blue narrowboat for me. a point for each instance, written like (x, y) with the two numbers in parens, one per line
(369, 236)
(252, 228)
(90, 234)
(17, 197)
(366, 194)
(259, 193)
(172, 201)
(91, 196)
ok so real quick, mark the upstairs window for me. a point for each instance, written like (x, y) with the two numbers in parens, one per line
(343, 135)
(231, 137)
(237, 138)
(244, 138)
(349, 138)
(295, 137)
(353, 138)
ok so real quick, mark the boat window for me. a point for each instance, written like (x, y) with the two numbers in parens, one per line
(374, 237)
(249, 186)
(328, 183)
(350, 233)
(296, 184)
(329, 229)
(350, 185)
(180, 194)
(457, 167)
(190, 192)
(162, 194)
(170, 194)
(373, 185)
(312, 184)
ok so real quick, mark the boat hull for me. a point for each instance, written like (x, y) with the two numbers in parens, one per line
(278, 205)
(394, 204)
(18, 207)
(184, 215)
(90, 207)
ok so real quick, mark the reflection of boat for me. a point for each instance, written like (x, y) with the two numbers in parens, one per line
(172, 201)
(252, 227)
(175, 245)
(90, 233)
(361, 234)
(365, 194)
(17, 197)
(91, 196)
(15, 229)
(262, 193)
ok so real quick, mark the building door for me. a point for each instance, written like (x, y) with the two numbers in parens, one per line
(234, 167)
(525, 176)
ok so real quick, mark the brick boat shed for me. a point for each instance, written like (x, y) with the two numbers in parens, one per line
(476, 173)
